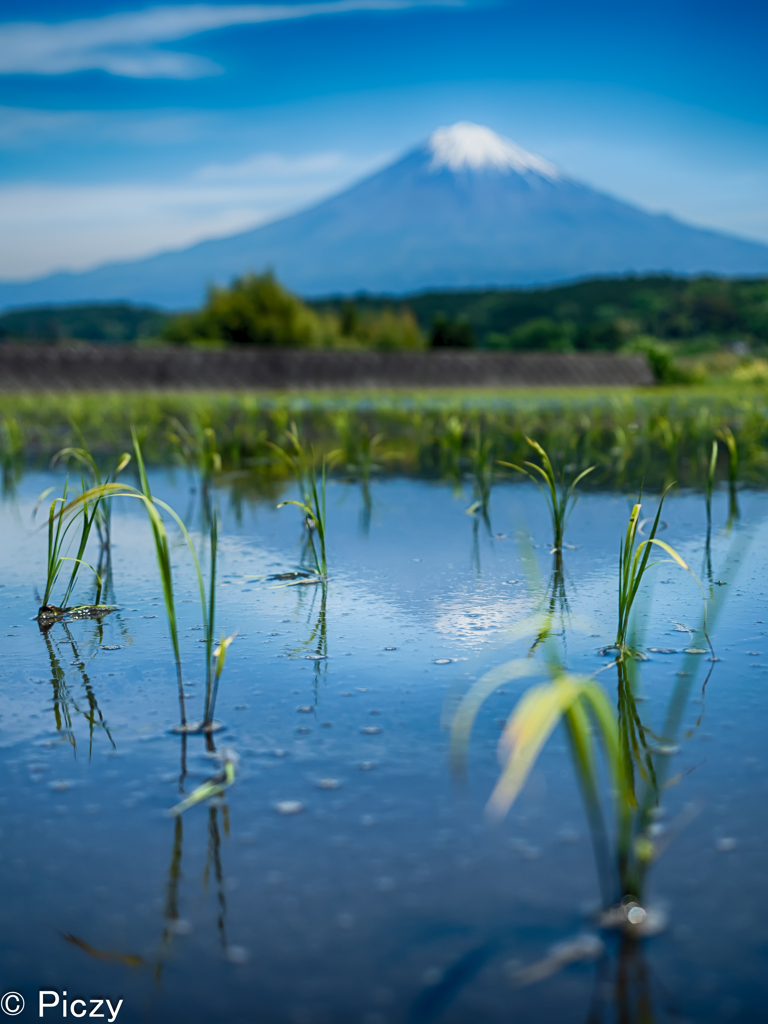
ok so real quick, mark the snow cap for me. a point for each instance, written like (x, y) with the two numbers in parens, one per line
(466, 146)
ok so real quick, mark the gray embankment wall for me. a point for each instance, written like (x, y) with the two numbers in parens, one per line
(25, 367)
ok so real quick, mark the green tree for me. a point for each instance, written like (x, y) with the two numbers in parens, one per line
(393, 332)
(540, 333)
(254, 310)
(448, 333)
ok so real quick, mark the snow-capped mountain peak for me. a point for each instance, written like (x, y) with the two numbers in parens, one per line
(467, 146)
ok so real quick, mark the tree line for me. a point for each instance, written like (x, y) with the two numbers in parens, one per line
(691, 315)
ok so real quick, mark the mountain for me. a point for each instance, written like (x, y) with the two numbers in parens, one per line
(466, 209)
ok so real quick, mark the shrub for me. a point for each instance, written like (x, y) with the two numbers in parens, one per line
(661, 360)
(254, 310)
(755, 372)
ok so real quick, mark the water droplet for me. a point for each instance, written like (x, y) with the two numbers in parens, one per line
(289, 807)
(237, 954)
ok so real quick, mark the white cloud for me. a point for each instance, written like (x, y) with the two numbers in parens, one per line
(122, 44)
(19, 127)
(24, 127)
(275, 165)
(49, 227)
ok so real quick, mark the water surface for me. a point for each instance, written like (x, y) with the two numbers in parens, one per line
(389, 897)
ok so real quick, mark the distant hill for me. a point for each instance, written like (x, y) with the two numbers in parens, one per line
(589, 315)
(467, 209)
(600, 313)
(115, 323)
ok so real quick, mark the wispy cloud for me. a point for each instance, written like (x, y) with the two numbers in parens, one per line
(53, 226)
(125, 44)
(277, 166)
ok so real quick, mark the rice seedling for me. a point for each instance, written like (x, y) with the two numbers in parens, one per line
(560, 495)
(450, 442)
(93, 511)
(214, 656)
(102, 506)
(60, 540)
(580, 704)
(727, 435)
(12, 453)
(481, 463)
(630, 748)
(633, 565)
(710, 484)
(357, 454)
(72, 510)
(312, 503)
(196, 447)
(620, 431)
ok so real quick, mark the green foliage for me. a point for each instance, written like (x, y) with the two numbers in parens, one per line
(693, 314)
(448, 333)
(312, 503)
(560, 494)
(630, 434)
(254, 310)
(601, 313)
(538, 334)
(633, 565)
(84, 507)
(660, 359)
(113, 323)
(390, 331)
(59, 541)
(258, 310)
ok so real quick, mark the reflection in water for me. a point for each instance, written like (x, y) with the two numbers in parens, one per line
(110, 955)
(65, 703)
(481, 461)
(171, 909)
(213, 862)
(315, 647)
(174, 923)
(622, 989)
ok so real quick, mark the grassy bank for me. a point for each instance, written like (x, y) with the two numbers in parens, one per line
(629, 434)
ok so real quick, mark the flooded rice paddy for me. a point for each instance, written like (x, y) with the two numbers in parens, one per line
(345, 875)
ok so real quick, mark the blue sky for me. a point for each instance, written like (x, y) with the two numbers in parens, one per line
(127, 129)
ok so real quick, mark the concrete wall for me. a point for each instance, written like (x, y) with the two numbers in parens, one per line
(125, 367)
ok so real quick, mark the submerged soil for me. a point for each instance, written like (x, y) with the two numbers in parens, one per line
(343, 876)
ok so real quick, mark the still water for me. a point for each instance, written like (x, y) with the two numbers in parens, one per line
(386, 896)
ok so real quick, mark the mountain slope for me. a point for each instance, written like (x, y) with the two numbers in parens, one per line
(467, 209)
